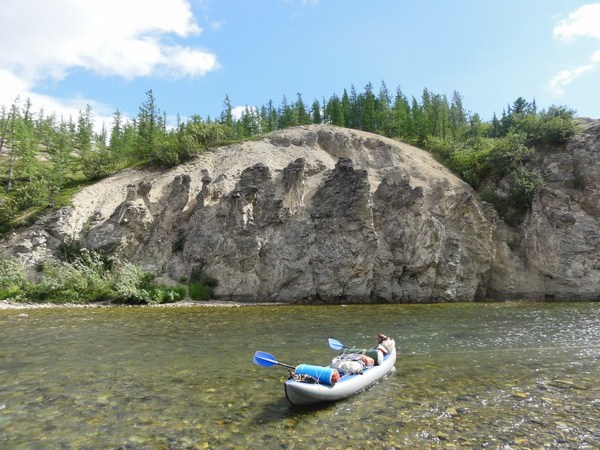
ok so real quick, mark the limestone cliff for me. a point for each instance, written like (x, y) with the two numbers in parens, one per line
(326, 214)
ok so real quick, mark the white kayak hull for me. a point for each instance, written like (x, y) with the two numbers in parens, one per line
(300, 393)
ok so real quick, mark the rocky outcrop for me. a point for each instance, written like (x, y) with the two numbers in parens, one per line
(556, 255)
(325, 214)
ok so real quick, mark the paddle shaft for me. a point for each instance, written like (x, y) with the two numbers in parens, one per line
(266, 359)
(286, 366)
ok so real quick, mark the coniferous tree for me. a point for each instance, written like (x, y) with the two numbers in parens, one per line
(426, 109)
(45, 126)
(458, 116)
(249, 122)
(25, 149)
(60, 158)
(475, 124)
(355, 120)
(419, 119)
(272, 116)
(438, 117)
(402, 116)
(27, 111)
(4, 123)
(301, 113)
(116, 136)
(8, 138)
(22, 187)
(346, 111)
(521, 106)
(286, 114)
(148, 128)
(368, 109)
(227, 113)
(227, 119)
(333, 111)
(84, 136)
(495, 129)
(315, 112)
(384, 117)
(264, 119)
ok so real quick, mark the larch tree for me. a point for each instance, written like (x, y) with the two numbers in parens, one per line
(148, 127)
(60, 158)
(315, 112)
(368, 109)
(8, 138)
(384, 117)
(333, 111)
(84, 137)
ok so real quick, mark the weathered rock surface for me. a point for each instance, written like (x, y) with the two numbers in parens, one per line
(556, 250)
(327, 214)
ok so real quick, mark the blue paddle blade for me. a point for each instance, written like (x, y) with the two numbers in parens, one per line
(264, 359)
(335, 344)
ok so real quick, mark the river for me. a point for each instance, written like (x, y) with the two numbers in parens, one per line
(480, 375)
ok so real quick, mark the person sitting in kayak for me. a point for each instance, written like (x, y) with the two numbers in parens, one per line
(354, 361)
(385, 344)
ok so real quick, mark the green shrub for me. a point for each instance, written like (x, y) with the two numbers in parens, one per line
(441, 148)
(524, 184)
(201, 286)
(98, 164)
(13, 279)
(30, 193)
(555, 125)
(85, 279)
(512, 213)
(8, 210)
(471, 160)
(166, 151)
(178, 292)
(508, 153)
(132, 284)
(199, 292)
(160, 293)
(135, 286)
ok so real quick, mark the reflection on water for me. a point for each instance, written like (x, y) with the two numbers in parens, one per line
(499, 375)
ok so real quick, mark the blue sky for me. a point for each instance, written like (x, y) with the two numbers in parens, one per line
(64, 54)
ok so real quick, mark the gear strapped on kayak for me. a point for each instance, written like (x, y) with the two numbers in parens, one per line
(351, 371)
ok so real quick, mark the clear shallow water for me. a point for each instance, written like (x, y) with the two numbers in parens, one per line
(502, 375)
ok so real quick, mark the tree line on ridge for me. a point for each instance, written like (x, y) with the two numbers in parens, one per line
(44, 157)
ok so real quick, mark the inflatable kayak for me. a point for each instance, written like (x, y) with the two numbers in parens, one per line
(303, 393)
(350, 372)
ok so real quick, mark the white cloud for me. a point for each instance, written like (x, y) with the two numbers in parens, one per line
(584, 22)
(13, 89)
(217, 25)
(110, 37)
(128, 39)
(565, 77)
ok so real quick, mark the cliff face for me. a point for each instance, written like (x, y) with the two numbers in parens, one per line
(327, 214)
(556, 249)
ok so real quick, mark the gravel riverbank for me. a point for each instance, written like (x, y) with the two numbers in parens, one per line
(8, 304)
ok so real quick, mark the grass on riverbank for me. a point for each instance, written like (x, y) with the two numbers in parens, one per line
(91, 277)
